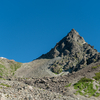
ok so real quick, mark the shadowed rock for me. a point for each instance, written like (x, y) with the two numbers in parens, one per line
(75, 52)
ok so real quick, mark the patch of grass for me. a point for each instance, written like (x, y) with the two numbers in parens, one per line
(14, 67)
(94, 67)
(1, 72)
(2, 68)
(97, 94)
(5, 85)
(97, 86)
(17, 65)
(2, 79)
(85, 80)
(85, 87)
(68, 85)
(97, 76)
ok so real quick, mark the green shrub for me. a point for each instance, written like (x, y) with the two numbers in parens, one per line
(97, 76)
(5, 85)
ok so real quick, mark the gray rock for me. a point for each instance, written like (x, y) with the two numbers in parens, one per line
(78, 52)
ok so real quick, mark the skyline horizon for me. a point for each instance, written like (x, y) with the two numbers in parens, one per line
(47, 51)
(30, 28)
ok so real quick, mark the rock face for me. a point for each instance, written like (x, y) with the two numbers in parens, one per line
(75, 53)
(70, 44)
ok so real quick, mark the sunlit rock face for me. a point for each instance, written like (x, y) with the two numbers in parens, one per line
(75, 52)
(71, 44)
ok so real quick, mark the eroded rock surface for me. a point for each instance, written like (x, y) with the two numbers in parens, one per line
(75, 53)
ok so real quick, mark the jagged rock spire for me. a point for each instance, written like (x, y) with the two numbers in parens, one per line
(74, 53)
(72, 44)
(74, 31)
(74, 35)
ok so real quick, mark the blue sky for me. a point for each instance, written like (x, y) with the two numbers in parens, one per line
(30, 28)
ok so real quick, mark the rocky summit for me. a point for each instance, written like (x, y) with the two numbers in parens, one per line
(70, 44)
(75, 53)
(69, 71)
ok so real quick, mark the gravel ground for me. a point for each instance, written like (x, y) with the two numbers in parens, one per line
(13, 90)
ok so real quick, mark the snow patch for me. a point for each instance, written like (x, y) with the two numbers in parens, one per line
(3, 58)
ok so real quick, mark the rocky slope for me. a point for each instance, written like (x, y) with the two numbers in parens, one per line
(8, 67)
(75, 53)
(70, 54)
(69, 71)
(14, 90)
(50, 88)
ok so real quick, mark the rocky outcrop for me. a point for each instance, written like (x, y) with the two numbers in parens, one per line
(75, 53)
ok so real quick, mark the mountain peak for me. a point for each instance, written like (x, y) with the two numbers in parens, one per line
(74, 31)
(71, 45)
(73, 35)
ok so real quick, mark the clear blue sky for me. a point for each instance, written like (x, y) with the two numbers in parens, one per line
(30, 28)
